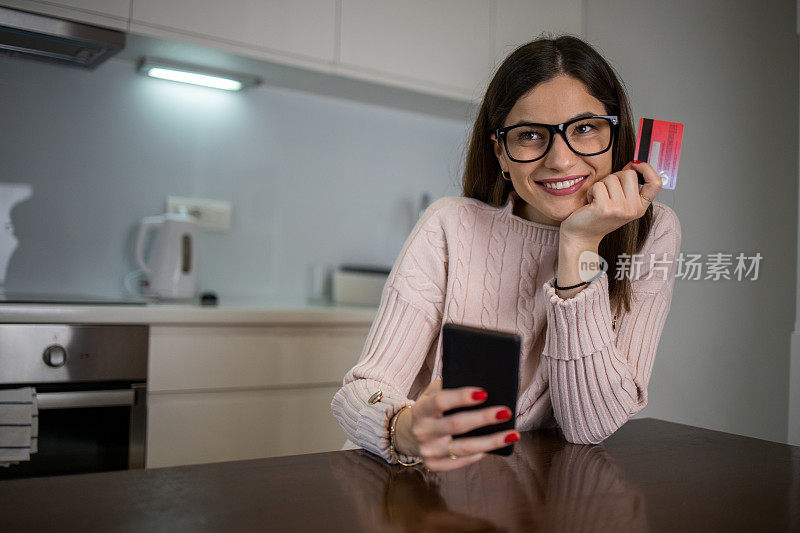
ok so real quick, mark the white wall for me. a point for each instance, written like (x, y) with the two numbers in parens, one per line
(729, 71)
(304, 173)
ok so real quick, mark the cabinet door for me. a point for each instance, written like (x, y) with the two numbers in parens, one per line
(300, 28)
(192, 428)
(107, 13)
(224, 393)
(443, 45)
(520, 21)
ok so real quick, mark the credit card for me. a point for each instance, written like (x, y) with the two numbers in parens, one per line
(658, 142)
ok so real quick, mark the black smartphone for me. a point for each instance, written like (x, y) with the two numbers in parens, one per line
(475, 357)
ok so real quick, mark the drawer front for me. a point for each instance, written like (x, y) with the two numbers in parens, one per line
(193, 428)
(203, 358)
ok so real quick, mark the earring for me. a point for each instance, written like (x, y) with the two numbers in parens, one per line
(503, 175)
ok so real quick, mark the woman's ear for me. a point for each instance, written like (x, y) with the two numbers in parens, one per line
(498, 151)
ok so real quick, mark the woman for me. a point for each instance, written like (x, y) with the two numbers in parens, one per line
(505, 256)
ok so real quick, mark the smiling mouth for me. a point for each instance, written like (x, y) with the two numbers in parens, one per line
(562, 183)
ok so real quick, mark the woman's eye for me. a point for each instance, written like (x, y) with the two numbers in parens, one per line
(529, 135)
(583, 128)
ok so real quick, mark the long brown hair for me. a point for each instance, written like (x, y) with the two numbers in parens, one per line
(527, 66)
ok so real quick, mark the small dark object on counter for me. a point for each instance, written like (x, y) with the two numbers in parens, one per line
(208, 298)
(369, 269)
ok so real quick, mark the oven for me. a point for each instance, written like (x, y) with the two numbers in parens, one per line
(90, 384)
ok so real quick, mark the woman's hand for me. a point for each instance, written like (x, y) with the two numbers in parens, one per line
(428, 434)
(612, 202)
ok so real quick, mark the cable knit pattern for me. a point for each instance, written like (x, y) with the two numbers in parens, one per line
(527, 271)
(491, 279)
(479, 265)
(460, 279)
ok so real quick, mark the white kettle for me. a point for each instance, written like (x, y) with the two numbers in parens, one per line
(171, 267)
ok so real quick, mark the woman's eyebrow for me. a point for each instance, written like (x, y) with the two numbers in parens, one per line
(579, 115)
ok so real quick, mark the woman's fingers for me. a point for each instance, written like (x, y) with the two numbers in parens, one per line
(652, 181)
(630, 184)
(625, 193)
(615, 192)
(599, 192)
(441, 400)
(459, 423)
(467, 450)
(484, 443)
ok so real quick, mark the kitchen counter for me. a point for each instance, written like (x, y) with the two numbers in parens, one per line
(651, 475)
(232, 312)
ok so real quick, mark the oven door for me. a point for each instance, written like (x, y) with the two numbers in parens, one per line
(84, 429)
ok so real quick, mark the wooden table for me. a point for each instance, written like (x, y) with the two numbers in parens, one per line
(650, 475)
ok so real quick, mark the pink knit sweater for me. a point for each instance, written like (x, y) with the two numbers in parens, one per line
(471, 263)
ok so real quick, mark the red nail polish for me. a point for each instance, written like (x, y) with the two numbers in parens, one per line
(479, 395)
(503, 414)
(512, 437)
(636, 161)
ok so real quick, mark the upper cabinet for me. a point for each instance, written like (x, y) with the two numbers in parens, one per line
(300, 30)
(444, 46)
(108, 13)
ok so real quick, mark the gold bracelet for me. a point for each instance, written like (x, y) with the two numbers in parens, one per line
(392, 449)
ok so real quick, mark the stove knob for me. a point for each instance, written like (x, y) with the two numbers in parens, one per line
(55, 356)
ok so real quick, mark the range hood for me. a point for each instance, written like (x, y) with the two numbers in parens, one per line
(57, 40)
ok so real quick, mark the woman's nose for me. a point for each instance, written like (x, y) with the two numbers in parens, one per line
(560, 154)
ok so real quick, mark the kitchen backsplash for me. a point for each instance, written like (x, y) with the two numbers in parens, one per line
(311, 179)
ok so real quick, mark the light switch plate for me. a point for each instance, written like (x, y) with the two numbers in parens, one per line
(213, 215)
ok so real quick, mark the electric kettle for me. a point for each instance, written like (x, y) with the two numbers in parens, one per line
(171, 266)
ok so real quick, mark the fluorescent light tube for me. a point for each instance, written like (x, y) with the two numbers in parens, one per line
(196, 75)
(196, 79)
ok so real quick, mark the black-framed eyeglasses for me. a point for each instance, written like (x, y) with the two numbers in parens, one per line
(531, 141)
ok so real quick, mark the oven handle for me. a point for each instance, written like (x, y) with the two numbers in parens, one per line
(101, 398)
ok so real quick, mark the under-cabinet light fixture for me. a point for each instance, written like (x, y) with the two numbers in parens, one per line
(196, 75)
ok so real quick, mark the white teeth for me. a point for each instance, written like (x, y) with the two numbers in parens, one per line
(563, 184)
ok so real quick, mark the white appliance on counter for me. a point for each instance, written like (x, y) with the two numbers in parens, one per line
(171, 265)
(359, 285)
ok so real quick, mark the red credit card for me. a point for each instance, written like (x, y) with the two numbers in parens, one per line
(658, 142)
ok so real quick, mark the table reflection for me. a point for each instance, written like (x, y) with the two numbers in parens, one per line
(546, 484)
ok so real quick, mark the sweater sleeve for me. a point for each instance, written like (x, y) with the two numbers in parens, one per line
(403, 334)
(597, 378)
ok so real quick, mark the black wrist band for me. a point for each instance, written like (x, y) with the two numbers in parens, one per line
(555, 282)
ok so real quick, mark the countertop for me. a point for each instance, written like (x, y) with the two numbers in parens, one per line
(650, 475)
(230, 311)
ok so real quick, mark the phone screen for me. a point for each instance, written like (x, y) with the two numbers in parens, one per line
(475, 357)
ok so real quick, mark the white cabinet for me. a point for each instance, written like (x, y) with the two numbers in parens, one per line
(444, 46)
(520, 21)
(276, 29)
(108, 13)
(225, 393)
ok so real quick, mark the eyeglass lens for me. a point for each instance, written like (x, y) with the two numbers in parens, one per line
(588, 137)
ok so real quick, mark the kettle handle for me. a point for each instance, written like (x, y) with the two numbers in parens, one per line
(147, 224)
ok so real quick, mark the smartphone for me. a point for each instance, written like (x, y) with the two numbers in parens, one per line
(475, 357)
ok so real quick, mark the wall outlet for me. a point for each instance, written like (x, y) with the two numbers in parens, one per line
(214, 215)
